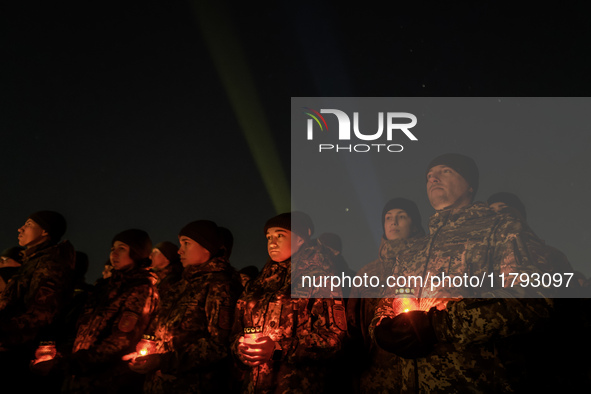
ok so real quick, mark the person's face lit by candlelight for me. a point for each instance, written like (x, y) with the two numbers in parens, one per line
(281, 243)
(119, 256)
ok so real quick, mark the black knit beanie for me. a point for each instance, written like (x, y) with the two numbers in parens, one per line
(303, 220)
(463, 165)
(410, 208)
(139, 242)
(168, 249)
(205, 233)
(227, 239)
(297, 222)
(52, 222)
(251, 271)
(331, 240)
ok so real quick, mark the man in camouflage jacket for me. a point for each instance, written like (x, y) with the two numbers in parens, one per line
(306, 332)
(458, 345)
(35, 296)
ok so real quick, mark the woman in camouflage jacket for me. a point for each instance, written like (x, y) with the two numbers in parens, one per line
(297, 336)
(114, 319)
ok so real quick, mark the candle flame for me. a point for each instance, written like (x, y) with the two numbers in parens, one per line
(143, 352)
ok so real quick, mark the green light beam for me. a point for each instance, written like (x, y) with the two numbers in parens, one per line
(234, 73)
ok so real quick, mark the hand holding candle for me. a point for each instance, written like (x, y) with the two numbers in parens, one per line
(144, 359)
(147, 345)
(254, 349)
(404, 301)
(408, 335)
(45, 358)
(45, 352)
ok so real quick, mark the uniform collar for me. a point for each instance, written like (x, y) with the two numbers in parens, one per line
(456, 217)
(30, 252)
(216, 264)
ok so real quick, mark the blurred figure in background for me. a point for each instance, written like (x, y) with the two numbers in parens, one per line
(227, 240)
(573, 312)
(333, 243)
(10, 262)
(247, 274)
(166, 265)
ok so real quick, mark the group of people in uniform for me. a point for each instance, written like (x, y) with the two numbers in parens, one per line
(167, 318)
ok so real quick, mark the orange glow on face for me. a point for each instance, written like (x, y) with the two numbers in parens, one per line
(279, 245)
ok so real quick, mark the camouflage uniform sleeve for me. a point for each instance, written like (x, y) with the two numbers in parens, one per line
(479, 320)
(128, 326)
(361, 307)
(321, 329)
(514, 250)
(41, 304)
(309, 268)
(237, 327)
(353, 311)
(198, 351)
(383, 309)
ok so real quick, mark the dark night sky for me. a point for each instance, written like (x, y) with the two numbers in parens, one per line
(117, 115)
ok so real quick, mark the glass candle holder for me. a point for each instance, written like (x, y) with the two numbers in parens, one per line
(146, 345)
(251, 334)
(46, 351)
(404, 301)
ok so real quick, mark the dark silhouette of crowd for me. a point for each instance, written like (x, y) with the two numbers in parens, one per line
(172, 317)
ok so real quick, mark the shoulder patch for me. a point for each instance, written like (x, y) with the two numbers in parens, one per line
(340, 317)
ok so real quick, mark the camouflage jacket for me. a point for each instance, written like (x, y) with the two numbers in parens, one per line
(372, 369)
(34, 297)
(167, 284)
(472, 332)
(115, 316)
(192, 330)
(308, 332)
(557, 260)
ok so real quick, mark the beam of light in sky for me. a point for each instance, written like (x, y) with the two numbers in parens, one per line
(233, 71)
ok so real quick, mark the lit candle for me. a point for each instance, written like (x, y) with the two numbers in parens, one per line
(251, 334)
(146, 345)
(45, 352)
(404, 301)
